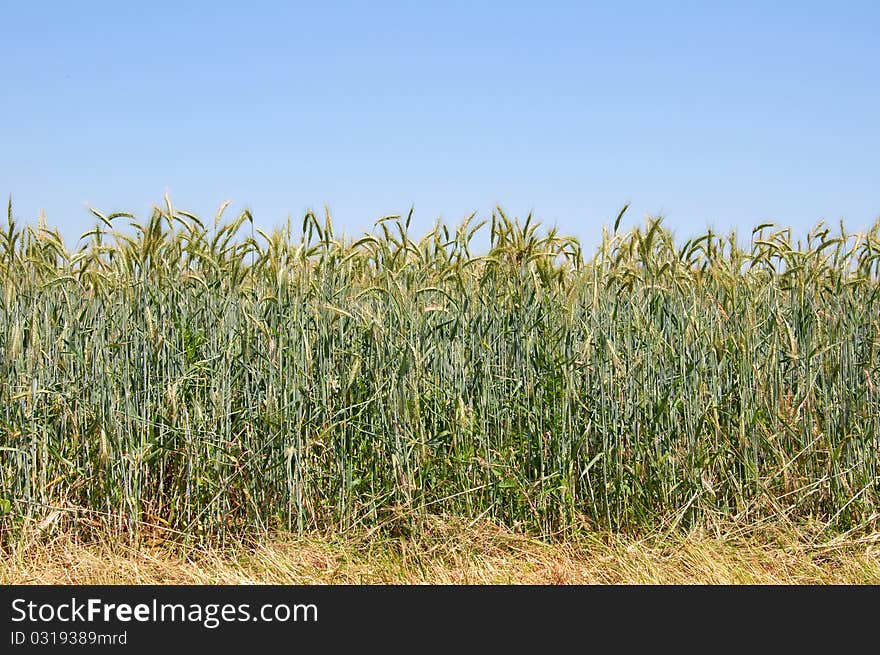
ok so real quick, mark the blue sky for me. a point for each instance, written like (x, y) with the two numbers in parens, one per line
(710, 114)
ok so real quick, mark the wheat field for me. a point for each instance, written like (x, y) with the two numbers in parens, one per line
(206, 381)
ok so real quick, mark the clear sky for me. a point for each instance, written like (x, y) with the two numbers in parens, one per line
(711, 115)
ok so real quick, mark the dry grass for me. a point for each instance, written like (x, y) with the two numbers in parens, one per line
(453, 554)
